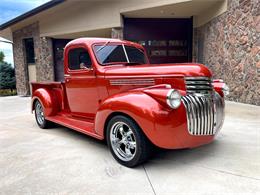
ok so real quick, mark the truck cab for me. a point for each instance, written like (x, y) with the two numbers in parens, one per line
(111, 92)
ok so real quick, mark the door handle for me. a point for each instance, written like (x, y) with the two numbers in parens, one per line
(67, 79)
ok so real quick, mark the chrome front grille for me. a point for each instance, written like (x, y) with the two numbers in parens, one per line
(201, 85)
(204, 114)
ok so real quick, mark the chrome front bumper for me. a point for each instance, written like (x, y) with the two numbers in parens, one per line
(205, 114)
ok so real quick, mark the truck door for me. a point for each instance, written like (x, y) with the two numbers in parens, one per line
(80, 82)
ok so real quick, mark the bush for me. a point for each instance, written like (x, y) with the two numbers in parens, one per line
(7, 92)
(2, 56)
(7, 76)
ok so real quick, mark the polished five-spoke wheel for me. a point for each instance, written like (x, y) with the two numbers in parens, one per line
(39, 115)
(126, 141)
(123, 141)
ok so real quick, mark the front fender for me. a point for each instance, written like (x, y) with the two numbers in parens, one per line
(137, 105)
(147, 112)
(47, 99)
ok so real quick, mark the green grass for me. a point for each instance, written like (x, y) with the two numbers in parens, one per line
(7, 92)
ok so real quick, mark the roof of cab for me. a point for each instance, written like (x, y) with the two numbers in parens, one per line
(90, 41)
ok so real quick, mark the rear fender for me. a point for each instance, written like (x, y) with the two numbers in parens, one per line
(48, 100)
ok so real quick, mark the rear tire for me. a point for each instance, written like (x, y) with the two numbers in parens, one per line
(39, 115)
(127, 142)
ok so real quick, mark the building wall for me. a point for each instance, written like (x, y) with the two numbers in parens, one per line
(43, 54)
(230, 46)
(21, 70)
(45, 69)
(92, 15)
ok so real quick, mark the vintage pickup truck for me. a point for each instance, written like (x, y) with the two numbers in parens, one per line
(112, 92)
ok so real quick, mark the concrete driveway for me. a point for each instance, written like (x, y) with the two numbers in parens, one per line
(59, 160)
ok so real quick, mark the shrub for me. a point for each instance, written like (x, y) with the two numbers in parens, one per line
(7, 76)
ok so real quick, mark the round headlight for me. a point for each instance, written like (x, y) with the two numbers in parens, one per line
(173, 99)
(225, 89)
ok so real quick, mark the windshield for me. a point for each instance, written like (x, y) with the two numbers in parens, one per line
(111, 54)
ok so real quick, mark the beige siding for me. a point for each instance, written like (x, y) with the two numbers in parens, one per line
(79, 17)
(76, 18)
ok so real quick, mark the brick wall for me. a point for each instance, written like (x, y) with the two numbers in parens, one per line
(230, 46)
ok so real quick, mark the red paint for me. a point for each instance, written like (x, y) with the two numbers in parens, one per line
(88, 97)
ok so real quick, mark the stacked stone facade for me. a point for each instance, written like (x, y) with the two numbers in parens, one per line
(21, 69)
(230, 46)
(43, 55)
(117, 33)
(45, 69)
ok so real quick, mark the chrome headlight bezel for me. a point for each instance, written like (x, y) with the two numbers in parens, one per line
(173, 99)
(225, 89)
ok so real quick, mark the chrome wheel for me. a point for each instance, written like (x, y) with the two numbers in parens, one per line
(39, 113)
(123, 141)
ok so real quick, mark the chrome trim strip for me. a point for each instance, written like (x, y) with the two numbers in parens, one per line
(125, 53)
(199, 85)
(132, 82)
(198, 78)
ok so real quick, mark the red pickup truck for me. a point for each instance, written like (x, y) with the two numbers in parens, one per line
(112, 92)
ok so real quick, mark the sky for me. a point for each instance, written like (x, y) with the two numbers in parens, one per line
(10, 9)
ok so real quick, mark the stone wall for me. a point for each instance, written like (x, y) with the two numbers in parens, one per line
(21, 70)
(45, 70)
(117, 33)
(230, 46)
(43, 54)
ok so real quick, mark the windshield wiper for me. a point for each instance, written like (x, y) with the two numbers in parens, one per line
(103, 46)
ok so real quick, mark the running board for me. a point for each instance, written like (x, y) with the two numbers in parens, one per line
(75, 124)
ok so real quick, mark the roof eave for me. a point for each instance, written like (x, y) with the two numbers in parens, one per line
(33, 12)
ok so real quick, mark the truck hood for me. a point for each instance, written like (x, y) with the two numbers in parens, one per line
(152, 70)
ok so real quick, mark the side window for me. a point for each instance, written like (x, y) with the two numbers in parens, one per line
(79, 59)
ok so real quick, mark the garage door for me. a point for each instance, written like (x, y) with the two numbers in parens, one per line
(166, 40)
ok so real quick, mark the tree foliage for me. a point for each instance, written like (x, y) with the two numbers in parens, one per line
(7, 74)
(2, 56)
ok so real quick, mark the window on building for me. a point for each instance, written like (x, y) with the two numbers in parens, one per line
(79, 59)
(29, 50)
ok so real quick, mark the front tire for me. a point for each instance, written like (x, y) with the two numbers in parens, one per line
(126, 141)
(39, 115)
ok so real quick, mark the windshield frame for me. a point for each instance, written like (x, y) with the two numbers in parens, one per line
(126, 55)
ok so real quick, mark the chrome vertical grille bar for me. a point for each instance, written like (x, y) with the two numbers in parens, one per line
(192, 116)
(204, 114)
(201, 115)
(187, 105)
(209, 116)
(212, 119)
(196, 108)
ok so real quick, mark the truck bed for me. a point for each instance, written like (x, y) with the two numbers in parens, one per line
(62, 114)
(56, 90)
